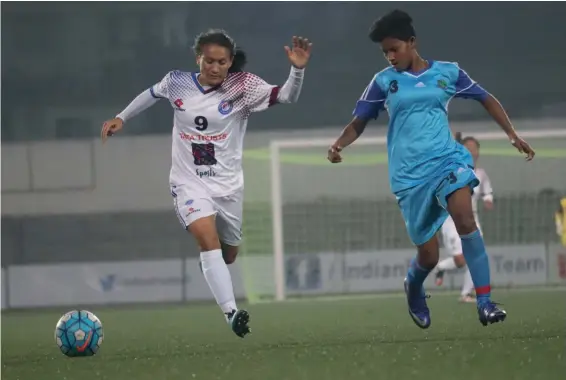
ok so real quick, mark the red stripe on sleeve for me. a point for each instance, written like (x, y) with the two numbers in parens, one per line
(273, 96)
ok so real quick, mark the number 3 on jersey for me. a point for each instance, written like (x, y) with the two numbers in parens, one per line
(201, 123)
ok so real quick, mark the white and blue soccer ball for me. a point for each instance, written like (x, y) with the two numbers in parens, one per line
(79, 333)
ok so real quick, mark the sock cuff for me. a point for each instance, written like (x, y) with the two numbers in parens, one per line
(472, 235)
(211, 255)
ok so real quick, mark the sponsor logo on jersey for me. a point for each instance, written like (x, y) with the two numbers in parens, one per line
(206, 173)
(186, 136)
(192, 211)
(179, 104)
(225, 107)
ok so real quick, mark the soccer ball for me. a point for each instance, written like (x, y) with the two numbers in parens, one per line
(79, 333)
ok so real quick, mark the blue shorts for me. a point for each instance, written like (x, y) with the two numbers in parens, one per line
(424, 207)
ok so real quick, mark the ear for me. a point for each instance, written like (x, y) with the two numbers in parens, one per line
(412, 42)
(199, 58)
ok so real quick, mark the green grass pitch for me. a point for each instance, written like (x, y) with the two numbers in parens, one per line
(347, 338)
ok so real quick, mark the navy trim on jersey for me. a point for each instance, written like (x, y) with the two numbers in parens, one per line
(153, 93)
(201, 89)
(469, 89)
(421, 72)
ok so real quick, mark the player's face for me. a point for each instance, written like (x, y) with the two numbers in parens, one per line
(214, 63)
(474, 150)
(398, 53)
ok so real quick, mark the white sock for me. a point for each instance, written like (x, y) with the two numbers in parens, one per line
(468, 286)
(219, 279)
(447, 264)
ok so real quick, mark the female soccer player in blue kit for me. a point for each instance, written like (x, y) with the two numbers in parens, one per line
(430, 173)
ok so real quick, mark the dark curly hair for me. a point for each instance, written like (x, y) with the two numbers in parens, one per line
(396, 24)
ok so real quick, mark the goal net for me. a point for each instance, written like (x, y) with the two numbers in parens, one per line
(337, 229)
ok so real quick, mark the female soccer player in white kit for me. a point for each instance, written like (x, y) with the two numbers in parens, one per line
(211, 110)
(450, 237)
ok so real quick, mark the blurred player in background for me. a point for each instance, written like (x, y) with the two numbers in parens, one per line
(450, 237)
(211, 110)
(430, 173)
(560, 221)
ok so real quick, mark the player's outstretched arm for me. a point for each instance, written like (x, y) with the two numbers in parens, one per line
(349, 134)
(142, 102)
(368, 107)
(497, 112)
(299, 55)
(260, 95)
(468, 88)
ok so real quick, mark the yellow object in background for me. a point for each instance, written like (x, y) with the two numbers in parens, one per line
(560, 218)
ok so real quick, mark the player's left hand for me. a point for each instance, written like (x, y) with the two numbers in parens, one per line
(334, 155)
(300, 53)
(523, 147)
(488, 205)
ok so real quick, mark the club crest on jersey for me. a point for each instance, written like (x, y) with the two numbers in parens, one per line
(442, 84)
(225, 107)
(179, 104)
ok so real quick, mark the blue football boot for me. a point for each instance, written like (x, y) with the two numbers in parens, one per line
(490, 313)
(418, 309)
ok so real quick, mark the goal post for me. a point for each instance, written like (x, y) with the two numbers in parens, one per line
(345, 204)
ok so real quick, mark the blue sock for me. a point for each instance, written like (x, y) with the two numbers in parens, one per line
(417, 274)
(478, 263)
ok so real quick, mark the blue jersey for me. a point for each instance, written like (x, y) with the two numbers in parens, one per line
(419, 140)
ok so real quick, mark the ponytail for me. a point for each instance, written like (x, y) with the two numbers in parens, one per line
(238, 61)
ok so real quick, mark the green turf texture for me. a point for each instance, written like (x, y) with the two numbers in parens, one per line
(352, 338)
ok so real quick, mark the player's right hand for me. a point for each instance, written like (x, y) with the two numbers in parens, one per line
(334, 154)
(110, 127)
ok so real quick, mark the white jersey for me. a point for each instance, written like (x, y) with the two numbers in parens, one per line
(483, 190)
(209, 126)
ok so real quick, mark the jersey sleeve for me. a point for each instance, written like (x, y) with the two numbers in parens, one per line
(258, 94)
(486, 190)
(160, 90)
(371, 102)
(147, 98)
(467, 88)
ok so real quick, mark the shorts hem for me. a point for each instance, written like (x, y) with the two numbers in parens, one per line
(231, 243)
(188, 223)
(439, 222)
(443, 200)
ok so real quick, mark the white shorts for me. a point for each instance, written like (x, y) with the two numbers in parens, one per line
(191, 205)
(451, 237)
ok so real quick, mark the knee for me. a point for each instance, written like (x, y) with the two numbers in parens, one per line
(229, 253)
(229, 258)
(428, 261)
(428, 254)
(465, 224)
